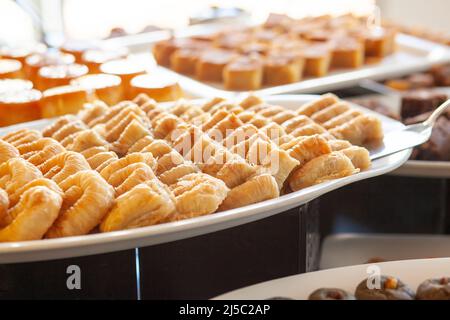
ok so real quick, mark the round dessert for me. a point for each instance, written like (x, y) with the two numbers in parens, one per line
(63, 100)
(331, 294)
(391, 288)
(14, 85)
(94, 58)
(434, 289)
(19, 106)
(10, 68)
(59, 75)
(49, 58)
(126, 69)
(158, 87)
(106, 87)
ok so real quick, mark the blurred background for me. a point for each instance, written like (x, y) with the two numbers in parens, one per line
(24, 20)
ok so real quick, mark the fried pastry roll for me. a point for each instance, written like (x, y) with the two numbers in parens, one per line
(259, 188)
(63, 165)
(360, 130)
(198, 194)
(7, 151)
(87, 200)
(146, 204)
(131, 158)
(314, 106)
(41, 150)
(327, 167)
(22, 136)
(33, 215)
(16, 173)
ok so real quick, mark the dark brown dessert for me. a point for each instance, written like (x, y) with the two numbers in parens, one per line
(420, 101)
(331, 294)
(441, 75)
(438, 147)
(434, 289)
(391, 288)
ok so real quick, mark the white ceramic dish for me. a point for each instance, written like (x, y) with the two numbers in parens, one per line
(414, 168)
(121, 240)
(413, 55)
(411, 272)
(353, 249)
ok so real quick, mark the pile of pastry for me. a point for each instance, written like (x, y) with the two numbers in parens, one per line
(141, 163)
(280, 51)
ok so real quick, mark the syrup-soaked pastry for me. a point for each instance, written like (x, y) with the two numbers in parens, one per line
(327, 167)
(171, 176)
(379, 42)
(22, 136)
(86, 139)
(69, 129)
(87, 200)
(141, 144)
(347, 53)
(317, 60)
(184, 61)
(5, 218)
(18, 106)
(101, 160)
(198, 194)
(146, 204)
(359, 157)
(58, 124)
(243, 74)
(163, 50)
(211, 64)
(360, 131)
(331, 294)
(41, 150)
(33, 215)
(259, 188)
(391, 288)
(132, 133)
(434, 289)
(16, 173)
(7, 151)
(14, 198)
(319, 104)
(282, 69)
(63, 165)
(304, 149)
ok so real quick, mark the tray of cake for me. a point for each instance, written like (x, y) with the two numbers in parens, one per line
(285, 55)
(411, 99)
(140, 173)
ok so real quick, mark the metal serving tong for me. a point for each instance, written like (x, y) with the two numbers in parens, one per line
(411, 136)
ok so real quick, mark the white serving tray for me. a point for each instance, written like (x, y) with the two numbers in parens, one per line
(412, 272)
(414, 168)
(348, 249)
(147, 236)
(413, 55)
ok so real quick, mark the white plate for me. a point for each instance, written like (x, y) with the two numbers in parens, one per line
(413, 55)
(352, 249)
(414, 168)
(412, 272)
(127, 239)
